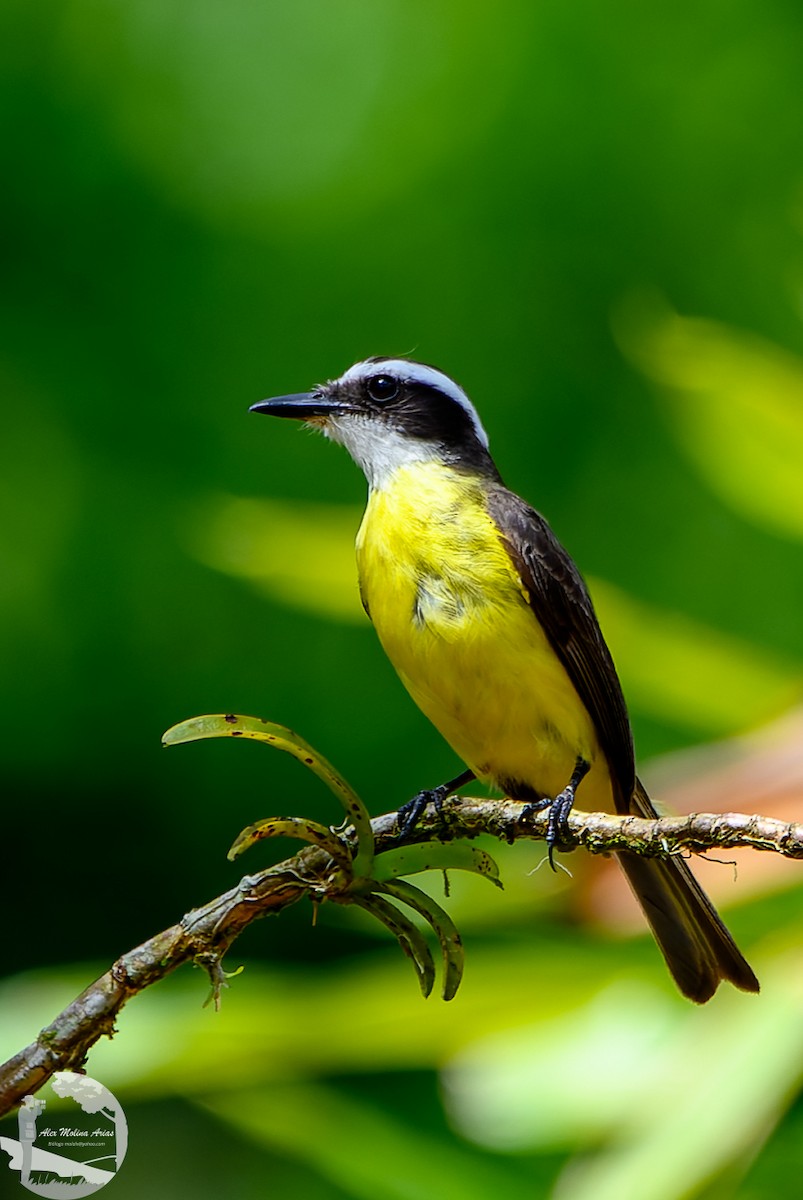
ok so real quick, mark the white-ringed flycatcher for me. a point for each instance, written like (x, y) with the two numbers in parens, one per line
(490, 627)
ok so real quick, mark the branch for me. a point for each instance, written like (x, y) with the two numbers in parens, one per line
(205, 934)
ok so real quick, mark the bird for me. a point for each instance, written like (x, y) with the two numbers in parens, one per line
(492, 631)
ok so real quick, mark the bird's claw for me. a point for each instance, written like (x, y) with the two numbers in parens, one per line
(557, 829)
(410, 814)
(558, 833)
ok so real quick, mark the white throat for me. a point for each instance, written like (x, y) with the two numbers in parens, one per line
(377, 447)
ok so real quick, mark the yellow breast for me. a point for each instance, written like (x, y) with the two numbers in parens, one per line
(453, 617)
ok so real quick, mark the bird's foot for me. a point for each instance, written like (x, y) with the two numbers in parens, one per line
(410, 813)
(558, 833)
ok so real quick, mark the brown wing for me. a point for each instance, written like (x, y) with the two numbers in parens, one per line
(697, 947)
(561, 603)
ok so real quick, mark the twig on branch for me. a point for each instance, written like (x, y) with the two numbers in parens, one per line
(205, 934)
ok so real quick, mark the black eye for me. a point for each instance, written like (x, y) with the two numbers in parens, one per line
(382, 388)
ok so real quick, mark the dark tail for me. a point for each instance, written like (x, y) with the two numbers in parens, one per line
(697, 947)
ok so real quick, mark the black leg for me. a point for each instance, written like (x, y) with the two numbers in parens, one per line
(557, 830)
(409, 814)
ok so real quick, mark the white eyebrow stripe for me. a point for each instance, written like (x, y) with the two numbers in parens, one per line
(413, 372)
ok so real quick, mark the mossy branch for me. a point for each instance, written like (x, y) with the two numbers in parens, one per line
(205, 934)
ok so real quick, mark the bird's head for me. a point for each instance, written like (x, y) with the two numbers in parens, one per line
(389, 412)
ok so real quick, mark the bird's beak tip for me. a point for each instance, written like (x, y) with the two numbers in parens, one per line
(298, 405)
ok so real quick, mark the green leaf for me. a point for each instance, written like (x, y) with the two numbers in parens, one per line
(436, 856)
(300, 553)
(443, 925)
(361, 1149)
(683, 670)
(270, 734)
(410, 938)
(293, 827)
(734, 391)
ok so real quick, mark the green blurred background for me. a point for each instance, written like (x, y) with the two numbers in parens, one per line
(591, 216)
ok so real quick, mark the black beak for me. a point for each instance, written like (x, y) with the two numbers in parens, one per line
(301, 406)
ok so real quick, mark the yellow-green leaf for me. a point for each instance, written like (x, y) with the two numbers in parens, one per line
(436, 856)
(301, 554)
(736, 404)
(293, 827)
(271, 734)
